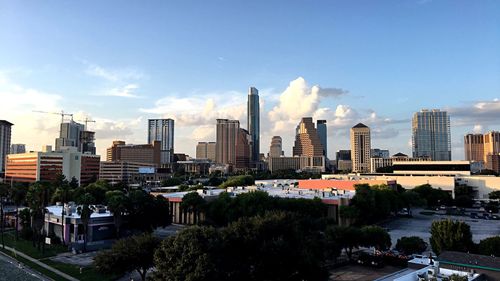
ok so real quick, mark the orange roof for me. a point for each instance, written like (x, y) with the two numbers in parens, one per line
(338, 184)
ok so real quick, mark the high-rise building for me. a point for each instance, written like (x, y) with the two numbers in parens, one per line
(381, 153)
(5, 137)
(243, 153)
(431, 135)
(343, 160)
(205, 150)
(137, 153)
(17, 148)
(276, 149)
(307, 142)
(70, 134)
(491, 144)
(253, 122)
(87, 139)
(322, 133)
(162, 130)
(227, 135)
(360, 148)
(474, 147)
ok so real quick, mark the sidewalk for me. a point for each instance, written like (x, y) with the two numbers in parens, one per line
(60, 273)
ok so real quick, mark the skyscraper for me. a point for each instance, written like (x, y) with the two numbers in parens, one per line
(360, 148)
(205, 150)
(431, 135)
(276, 149)
(307, 142)
(243, 149)
(162, 130)
(17, 148)
(491, 145)
(474, 147)
(322, 133)
(70, 134)
(226, 138)
(5, 137)
(253, 122)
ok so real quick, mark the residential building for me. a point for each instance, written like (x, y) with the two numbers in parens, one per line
(138, 153)
(343, 160)
(227, 134)
(360, 148)
(206, 150)
(474, 147)
(307, 141)
(253, 123)
(322, 133)
(382, 153)
(47, 164)
(314, 164)
(5, 138)
(69, 135)
(17, 148)
(243, 150)
(122, 171)
(162, 130)
(276, 148)
(431, 135)
(491, 145)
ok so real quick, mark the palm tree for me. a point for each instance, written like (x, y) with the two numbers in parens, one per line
(4, 191)
(18, 196)
(117, 204)
(85, 211)
(37, 199)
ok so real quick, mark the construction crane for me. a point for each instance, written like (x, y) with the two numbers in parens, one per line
(58, 113)
(87, 120)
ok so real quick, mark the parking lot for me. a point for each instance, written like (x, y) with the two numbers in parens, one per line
(420, 225)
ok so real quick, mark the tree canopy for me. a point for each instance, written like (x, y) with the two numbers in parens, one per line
(449, 235)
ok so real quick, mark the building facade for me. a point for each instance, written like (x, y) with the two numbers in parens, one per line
(360, 148)
(382, 153)
(122, 171)
(253, 123)
(307, 141)
(343, 160)
(17, 148)
(491, 145)
(474, 147)
(5, 138)
(227, 135)
(69, 135)
(276, 148)
(206, 150)
(243, 150)
(431, 135)
(139, 153)
(315, 164)
(162, 130)
(323, 135)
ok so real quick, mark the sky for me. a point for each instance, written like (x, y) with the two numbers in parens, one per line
(122, 62)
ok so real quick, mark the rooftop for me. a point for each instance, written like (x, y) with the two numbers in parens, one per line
(57, 211)
(360, 125)
(470, 260)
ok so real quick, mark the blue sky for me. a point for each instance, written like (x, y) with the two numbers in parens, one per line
(121, 62)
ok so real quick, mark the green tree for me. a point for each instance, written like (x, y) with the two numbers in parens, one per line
(128, 254)
(464, 196)
(433, 196)
(242, 180)
(494, 194)
(18, 197)
(37, 199)
(171, 182)
(411, 199)
(63, 194)
(194, 204)
(4, 193)
(449, 235)
(490, 246)
(349, 237)
(376, 237)
(85, 211)
(118, 204)
(411, 245)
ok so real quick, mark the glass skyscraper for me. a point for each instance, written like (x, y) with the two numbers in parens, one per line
(253, 123)
(322, 133)
(162, 130)
(431, 135)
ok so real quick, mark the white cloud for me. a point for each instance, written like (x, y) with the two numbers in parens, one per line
(113, 74)
(124, 92)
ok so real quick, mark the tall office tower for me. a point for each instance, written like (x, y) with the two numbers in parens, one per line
(276, 149)
(491, 145)
(17, 148)
(70, 135)
(360, 148)
(243, 149)
(5, 137)
(322, 133)
(380, 153)
(162, 130)
(431, 135)
(87, 139)
(474, 147)
(253, 122)
(226, 138)
(205, 150)
(307, 142)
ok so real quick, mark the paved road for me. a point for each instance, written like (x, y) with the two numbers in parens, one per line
(11, 269)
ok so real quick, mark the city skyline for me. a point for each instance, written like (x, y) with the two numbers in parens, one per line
(337, 71)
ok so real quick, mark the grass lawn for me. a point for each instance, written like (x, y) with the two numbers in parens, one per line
(88, 273)
(33, 266)
(26, 247)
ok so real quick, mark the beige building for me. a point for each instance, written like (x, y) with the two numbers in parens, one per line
(276, 148)
(474, 147)
(122, 171)
(243, 150)
(139, 153)
(205, 150)
(491, 145)
(227, 135)
(303, 163)
(360, 148)
(307, 142)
